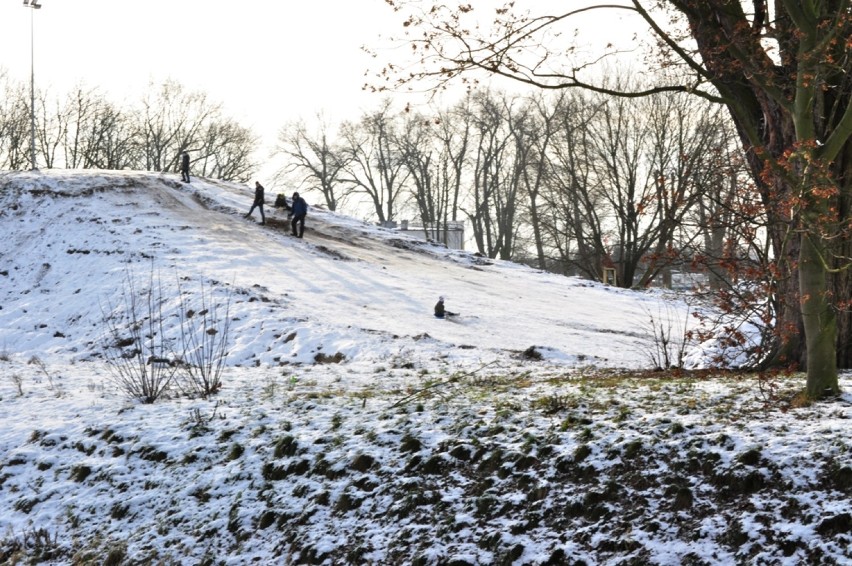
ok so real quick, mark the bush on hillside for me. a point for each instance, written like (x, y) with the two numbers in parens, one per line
(146, 356)
(134, 344)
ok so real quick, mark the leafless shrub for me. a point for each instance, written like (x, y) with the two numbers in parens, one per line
(668, 329)
(38, 545)
(204, 340)
(135, 345)
(18, 381)
(51, 384)
(198, 422)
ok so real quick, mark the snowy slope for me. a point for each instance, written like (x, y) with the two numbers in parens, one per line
(433, 442)
(348, 287)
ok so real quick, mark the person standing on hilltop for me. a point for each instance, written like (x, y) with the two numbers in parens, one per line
(299, 208)
(184, 166)
(258, 202)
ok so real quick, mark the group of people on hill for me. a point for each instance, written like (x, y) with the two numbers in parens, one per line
(297, 209)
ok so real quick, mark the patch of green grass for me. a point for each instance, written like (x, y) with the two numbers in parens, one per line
(115, 555)
(119, 511)
(632, 449)
(582, 452)
(267, 519)
(80, 472)
(676, 428)
(201, 494)
(285, 446)
(336, 421)
(37, 435)
(574, 421)
(622, 415)
(555, 403)
(226, 435)
(236, 451)
(750, 457)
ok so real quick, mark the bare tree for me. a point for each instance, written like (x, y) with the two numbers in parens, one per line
(51, 123)
(97, 134)
(14, 125)
(226, 150)
(435, 148)
(317, 161)
(111, 141)
(780, 69)
(426, 145)
(493, 204)
(86, 130)
(534, 134)
(570, 223)
(642, 159)
(374, 165)
(80, 107)
(425, 163)
(725, 215)
(684, 132)
(170, 121)
(454, 133)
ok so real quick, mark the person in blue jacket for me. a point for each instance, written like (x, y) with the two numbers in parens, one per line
(299, 209)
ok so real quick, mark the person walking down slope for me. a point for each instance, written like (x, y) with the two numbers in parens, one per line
(440, 311)
(258, 202)
(184, 167)
(299, 208)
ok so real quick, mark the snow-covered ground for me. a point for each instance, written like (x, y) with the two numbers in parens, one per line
(431, 441)
(349, 287)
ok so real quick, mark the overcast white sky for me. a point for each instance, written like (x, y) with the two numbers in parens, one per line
(267, 61)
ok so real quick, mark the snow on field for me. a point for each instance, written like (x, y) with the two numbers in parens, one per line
(429, 441)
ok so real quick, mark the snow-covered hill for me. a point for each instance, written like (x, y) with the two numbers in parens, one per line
(430, 442)
(71, 239)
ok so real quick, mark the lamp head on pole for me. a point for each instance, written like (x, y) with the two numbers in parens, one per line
(32, 4)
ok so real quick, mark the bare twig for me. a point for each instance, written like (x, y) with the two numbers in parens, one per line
(455, 378)
(134, 344)
(204, 341)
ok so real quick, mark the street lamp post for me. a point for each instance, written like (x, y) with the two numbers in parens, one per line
(33, 5)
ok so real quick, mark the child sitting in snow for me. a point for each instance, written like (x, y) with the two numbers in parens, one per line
(440, 311)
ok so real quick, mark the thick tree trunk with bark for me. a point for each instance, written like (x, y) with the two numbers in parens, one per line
(782, 115)
(819, 320)
(782, 69)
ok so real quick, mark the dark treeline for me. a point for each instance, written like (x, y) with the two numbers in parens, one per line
(86, 130)
(573, 183)
(570, 183)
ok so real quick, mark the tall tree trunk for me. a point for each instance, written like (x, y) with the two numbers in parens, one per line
(841, 281)
(818, 318)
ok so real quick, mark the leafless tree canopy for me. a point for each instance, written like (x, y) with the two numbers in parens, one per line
(782, 71)
(313, 161)
(84, 129)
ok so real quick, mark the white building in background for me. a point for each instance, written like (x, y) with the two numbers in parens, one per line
(450, 233)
